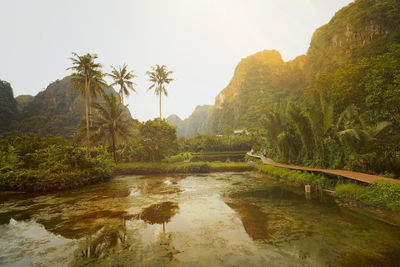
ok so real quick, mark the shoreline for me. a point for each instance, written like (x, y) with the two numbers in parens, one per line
(319, 183)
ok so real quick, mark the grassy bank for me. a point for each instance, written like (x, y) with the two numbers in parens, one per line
(234, 156)
(296, 177)
(179, 167)
(380, 194)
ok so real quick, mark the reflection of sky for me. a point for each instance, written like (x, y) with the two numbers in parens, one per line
(24, 243)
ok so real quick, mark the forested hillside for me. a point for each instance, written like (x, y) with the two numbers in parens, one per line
(23, 101)
(259, 81)
(8, 105)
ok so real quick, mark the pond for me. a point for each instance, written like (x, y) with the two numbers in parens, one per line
(217, 219)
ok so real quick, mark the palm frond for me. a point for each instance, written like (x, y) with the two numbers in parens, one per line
(379, 127)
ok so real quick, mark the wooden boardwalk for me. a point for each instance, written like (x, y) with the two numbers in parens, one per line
(358, 176)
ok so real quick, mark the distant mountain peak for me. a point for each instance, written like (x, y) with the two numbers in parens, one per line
(193, 124)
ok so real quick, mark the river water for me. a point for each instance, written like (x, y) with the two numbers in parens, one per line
(218, 219)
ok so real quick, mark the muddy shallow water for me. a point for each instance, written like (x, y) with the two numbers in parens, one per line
(219, 219)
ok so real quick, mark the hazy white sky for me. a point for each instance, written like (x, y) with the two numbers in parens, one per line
(200, 40)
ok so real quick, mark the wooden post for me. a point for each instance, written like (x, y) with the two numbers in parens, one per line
(307, 188)
(308, 191)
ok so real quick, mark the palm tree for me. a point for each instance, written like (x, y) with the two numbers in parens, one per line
(159, 77)
(122, 78)
(302, 123)
(95, 86)
(355, 133)
(86, 75)
(111, 123)
(320, 114)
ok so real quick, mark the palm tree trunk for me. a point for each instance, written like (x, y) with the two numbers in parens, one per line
(90, 102)
(87, 117)
(121, 96)
(153, 158)
(113, 148)
(160, 106)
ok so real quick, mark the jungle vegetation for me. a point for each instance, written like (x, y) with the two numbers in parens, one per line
(338, 106)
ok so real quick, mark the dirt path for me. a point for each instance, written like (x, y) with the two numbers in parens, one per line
(358, 176)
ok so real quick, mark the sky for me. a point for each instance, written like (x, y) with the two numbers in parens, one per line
(201, 41)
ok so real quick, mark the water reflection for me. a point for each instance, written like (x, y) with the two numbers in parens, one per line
(262, 221)
(253, 219)
(214, 219)
(108, 237)
(160, 213)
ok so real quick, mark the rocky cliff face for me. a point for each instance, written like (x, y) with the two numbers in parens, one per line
(23, 101)
(259, 81)
(8, 105)
(267, 62)
(192, 125)
(362, 29)
(56, 110)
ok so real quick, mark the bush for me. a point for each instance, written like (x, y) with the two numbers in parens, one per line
(383, 194)
(181, 157)
(350, 191)
(51, 166)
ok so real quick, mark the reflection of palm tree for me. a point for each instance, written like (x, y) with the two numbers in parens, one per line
(105, 239)
(160, 213)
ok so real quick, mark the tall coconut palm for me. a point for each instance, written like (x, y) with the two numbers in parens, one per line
(95, 86)
(122, 78)
(111, 123)
(159, 77)
(86, 75)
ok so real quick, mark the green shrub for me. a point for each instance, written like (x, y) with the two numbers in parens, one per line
(181, 157)
(381, 194)
(350, 191)
(52, 167)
